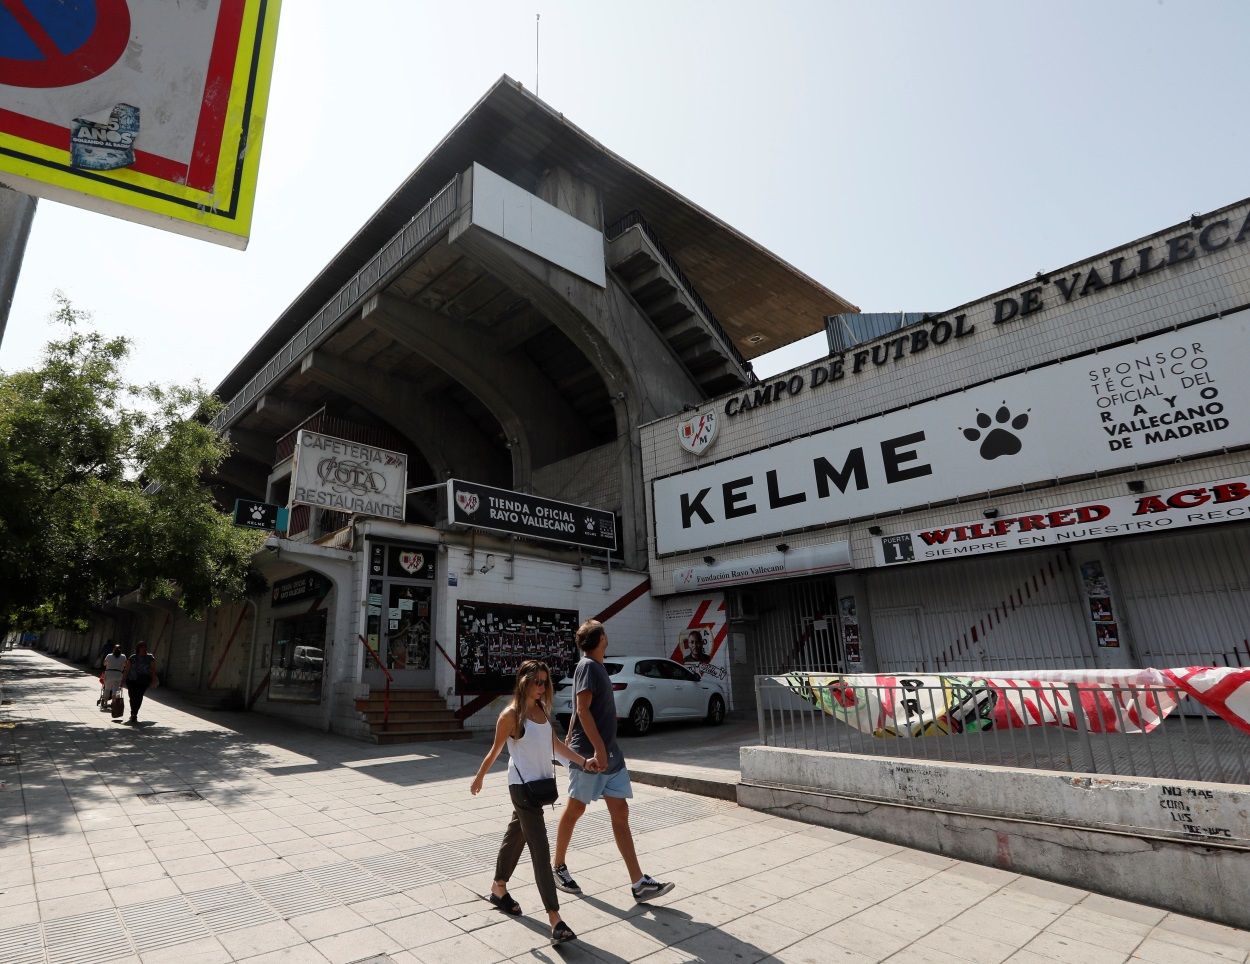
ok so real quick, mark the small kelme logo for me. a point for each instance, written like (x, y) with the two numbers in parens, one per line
(468, 502)
(697, 432)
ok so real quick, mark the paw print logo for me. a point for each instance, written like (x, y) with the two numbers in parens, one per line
(258, 513)
(996, 434)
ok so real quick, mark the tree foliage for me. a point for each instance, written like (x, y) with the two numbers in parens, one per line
(79, 445)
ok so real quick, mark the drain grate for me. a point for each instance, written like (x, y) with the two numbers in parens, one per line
(169, 796)
(230, 908)
(347, 882)
(97, 936)
(291, 895)
(21, 945)
(446, 861)
(162, 923)
(401, 870)
(10, 759)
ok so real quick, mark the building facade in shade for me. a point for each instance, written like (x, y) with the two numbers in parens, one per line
(1055, 475)
(506, 321)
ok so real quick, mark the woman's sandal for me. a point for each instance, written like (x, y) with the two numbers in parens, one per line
(506, 903)
(561, 933)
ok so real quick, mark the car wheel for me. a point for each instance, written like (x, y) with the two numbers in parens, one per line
(640, 718)
(716, 710)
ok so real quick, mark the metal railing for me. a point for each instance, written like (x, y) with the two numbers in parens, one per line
(460, 677)
(1046, 726)
(635, 219)
(386, 696)
(393, 257)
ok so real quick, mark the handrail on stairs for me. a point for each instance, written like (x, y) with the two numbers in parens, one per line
(455, 666)
(386, 698)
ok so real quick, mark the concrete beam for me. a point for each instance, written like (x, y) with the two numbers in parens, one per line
(540, 424)
(256, 446)
(281, 412)
(244, 476)
(448, 439)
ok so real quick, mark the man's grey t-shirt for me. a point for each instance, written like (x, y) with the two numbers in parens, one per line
(590, 675)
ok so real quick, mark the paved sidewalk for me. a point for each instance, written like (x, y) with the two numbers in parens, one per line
(308, 848)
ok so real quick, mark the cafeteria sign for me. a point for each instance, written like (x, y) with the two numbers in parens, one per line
(344, 476)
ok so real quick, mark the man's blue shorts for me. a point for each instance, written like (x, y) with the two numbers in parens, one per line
(589, 787)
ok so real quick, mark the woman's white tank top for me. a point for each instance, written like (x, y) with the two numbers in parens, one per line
(531, 753)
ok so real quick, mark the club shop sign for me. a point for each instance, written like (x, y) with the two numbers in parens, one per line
(1191, 505)
(334, 473)
(517, 513)
(1169, 396)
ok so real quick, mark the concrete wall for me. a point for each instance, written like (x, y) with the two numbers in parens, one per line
(588, 478)
(1135, 838)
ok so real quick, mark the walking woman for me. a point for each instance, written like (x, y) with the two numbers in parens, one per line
(526, 728)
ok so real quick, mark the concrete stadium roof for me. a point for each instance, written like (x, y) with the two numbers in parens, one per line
(518, 136)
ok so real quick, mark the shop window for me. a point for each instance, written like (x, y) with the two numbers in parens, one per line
(297, 658)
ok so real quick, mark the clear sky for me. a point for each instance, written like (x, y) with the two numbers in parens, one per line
(908, 155)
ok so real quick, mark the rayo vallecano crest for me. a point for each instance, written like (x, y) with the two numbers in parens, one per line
(697, 432)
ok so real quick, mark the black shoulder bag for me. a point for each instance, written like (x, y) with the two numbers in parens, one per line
(539, 793)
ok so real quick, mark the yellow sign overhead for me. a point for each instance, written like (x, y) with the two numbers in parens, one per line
(147, 110)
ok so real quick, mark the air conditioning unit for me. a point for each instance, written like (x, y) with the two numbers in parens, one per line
(742, 606)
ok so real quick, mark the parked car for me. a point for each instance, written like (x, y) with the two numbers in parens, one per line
(308, 657)
(649, 689)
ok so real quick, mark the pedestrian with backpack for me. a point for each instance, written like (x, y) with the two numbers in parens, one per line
(526, 729)
(139, 674)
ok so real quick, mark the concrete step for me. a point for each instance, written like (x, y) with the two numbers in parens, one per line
(374, 715)
(420, 736)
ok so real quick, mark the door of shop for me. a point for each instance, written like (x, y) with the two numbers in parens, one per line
(400, 615)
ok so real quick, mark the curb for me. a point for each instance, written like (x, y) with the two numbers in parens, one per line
(717, 789)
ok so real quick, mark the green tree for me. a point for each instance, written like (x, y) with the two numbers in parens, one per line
(101, 487)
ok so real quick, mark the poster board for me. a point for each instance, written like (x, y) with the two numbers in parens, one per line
(697, 630)
(493, 639)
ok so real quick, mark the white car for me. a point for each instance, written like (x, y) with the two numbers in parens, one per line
(651, 689)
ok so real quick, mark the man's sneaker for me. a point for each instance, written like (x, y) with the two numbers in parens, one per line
(649, 889)
(564, 880)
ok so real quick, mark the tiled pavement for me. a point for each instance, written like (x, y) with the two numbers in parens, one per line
(306, 847)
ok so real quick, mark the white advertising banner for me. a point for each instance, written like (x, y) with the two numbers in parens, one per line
(344, 476)
(1173, 395)
(697, 628)
(1191, 505)
(806, 561)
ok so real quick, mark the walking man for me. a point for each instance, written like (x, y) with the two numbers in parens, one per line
(140, 673)
(593, 733)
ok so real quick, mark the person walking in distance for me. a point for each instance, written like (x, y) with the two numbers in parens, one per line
(527, 730)
(139, 674)
(593, 733)
(113, 670)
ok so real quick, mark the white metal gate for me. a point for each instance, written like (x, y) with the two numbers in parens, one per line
(797, 628)
(1187, 596)
(1004, 613)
